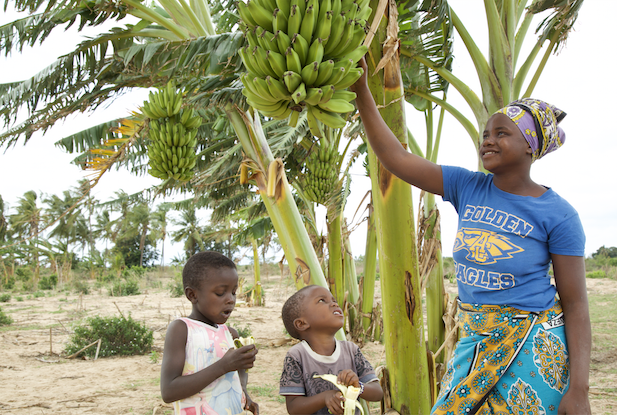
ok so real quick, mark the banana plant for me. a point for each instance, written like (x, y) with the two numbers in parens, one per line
(503, 71)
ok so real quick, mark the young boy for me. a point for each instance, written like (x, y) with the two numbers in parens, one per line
(313, 316)
(202, 373)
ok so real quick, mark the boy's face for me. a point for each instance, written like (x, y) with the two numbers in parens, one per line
(215, 298)
(321, 311)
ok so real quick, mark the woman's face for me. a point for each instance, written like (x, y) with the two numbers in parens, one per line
(503, 147)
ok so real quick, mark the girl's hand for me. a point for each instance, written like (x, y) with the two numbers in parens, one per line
(334, 401)
(242, 358)
(251, 406)
(348, 377)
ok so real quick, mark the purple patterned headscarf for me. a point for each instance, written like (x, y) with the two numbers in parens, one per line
(538, 121)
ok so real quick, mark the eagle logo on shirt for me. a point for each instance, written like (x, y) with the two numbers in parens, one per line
(484, 247)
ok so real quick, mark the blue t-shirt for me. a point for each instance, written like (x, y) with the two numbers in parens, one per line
(504, 241)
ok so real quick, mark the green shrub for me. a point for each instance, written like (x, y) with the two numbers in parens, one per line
(176, 288)
(23, 273)
(39, 294)
(4, 298)
(119, 337)
(48, 283)
(596, 274)
(5, 319)
(244, 331)
(124, 288)
(612, 262)
(81, 287)
(18, 299)
(7, 284)
(134, 271)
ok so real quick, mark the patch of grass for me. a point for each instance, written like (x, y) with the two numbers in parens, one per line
(265, 391)
(5, 319)
(5, 298)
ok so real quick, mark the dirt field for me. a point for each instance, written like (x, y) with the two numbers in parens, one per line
(37, 379)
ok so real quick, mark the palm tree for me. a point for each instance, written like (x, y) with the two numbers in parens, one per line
(189, 231)
(140, 218)
(26, 222)
(160, 222)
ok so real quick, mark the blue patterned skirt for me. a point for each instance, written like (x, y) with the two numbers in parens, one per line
(507, 361)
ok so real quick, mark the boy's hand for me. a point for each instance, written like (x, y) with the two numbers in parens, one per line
(334, 401)
(348, 377)
(242, 358)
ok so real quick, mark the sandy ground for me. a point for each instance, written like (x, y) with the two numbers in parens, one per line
(36, 377)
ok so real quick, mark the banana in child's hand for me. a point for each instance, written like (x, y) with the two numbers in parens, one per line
(243, 341)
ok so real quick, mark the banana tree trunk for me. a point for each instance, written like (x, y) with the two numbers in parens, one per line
(435, 306)
(370, 271)
(257, 274)
(400, 284)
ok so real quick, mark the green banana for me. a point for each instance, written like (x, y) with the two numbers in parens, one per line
(262, 60)
(328, 91)
(313, 96)
(292, 80)
(277, 62)
(349, 79)
(356, 54)
(346, 95)
(324, 26)
(325, 71)
(278, 89)
(279, 21)
(354, 43)
(301, 46)
(299, 94)
(316, 51)
(332, 120)
(309, 73)
(245, 15)
(283, 41)
(336, 31)
(314, 123)
(284, 6)
(293, 118)
(308, 22)
(294, 21)
(293, 61)
(260, 15)
(337, 105)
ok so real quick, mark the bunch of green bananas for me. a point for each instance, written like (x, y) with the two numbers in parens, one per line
(172, 135)
(320, 176)
(303, 53)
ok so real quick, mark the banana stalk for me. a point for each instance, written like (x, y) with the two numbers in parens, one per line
(335, 258)
(282, 208)
(350, 393)
(257, 297)
(370, 270)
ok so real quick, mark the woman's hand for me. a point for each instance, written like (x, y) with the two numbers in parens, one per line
(574, 402)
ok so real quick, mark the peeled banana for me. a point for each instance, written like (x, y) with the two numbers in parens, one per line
(243, 341)
(350, 393)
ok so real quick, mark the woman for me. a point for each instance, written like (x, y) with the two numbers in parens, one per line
(522, 349)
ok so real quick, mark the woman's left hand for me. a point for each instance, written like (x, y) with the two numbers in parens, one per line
(575, 402)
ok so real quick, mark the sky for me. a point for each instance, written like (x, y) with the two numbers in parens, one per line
(583, 171)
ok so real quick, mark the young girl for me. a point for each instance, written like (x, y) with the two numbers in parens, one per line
(521, 350)
(202, 373)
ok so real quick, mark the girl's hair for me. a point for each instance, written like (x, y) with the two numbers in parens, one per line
(195, 270)
(292, 309)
